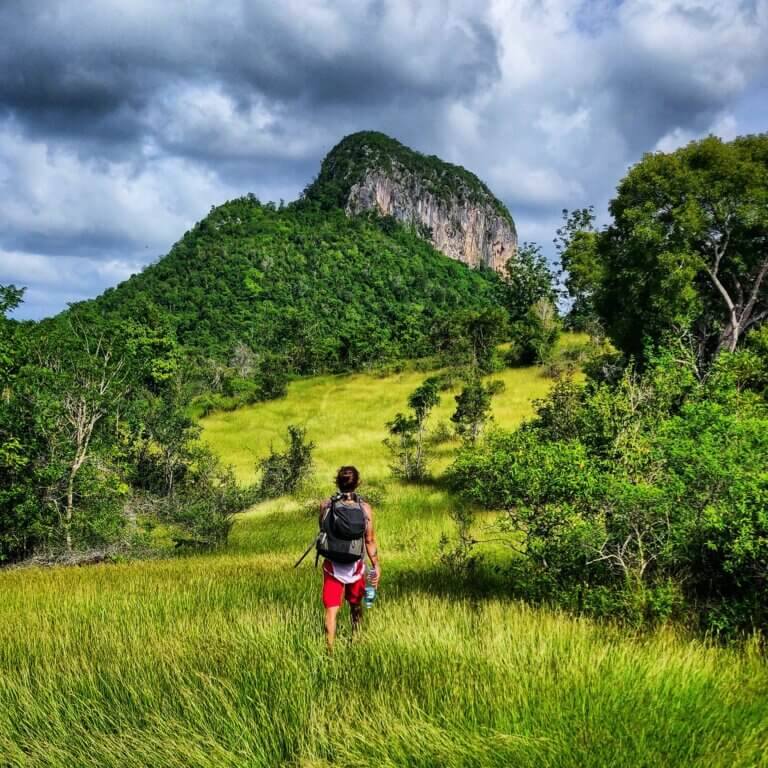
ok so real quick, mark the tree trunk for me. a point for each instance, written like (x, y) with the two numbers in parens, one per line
(729, 338)
(69, 508)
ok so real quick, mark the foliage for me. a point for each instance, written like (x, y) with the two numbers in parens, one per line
(304, 291)
(576, 244)
(470, 338)
(473, 407)
(407, 439)
(218, 658)
(535, 337)
(283, 473)
(527, 280)
(642, 499)
(92, 415)
(686, 251)
(205, 505)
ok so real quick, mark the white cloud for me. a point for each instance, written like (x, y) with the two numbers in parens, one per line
(51, 192)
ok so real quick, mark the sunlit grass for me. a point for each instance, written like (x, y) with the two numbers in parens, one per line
(219, 660)
(346, 415)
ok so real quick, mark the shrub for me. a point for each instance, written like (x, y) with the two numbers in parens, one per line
(285, 472)
(407, 441)
(643, 499)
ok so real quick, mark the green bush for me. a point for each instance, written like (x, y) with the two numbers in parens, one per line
(644, 499)
(285, 472)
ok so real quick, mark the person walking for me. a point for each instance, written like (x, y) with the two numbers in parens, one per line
(346, 535)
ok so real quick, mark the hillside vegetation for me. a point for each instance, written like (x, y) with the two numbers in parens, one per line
(97, 419)
(312, 291)
(219, 660)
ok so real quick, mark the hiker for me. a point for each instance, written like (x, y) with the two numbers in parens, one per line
(346, 534)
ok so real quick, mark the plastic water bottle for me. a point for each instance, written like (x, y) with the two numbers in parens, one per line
(370, 590)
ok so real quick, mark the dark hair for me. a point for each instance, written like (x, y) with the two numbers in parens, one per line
(347, 479)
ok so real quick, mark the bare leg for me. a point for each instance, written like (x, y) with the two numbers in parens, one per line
(356, 611)
(330, 626)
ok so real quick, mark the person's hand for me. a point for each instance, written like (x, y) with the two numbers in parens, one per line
(376, 577)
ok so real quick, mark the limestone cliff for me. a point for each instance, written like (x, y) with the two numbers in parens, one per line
(445, 203)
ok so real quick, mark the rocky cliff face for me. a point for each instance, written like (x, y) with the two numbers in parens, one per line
(472, 233)
(446, 203)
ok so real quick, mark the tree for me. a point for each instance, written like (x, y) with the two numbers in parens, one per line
(283, 473)
(687, 251)
(639, 498)
(473, 406)
(402, 445)
(10, 298)
(422, 400)
(84, 369)
(576, 244)
(407, 440)
(474, 337)
(527, 279)
(534, 338)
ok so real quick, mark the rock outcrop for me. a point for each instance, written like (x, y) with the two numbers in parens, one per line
(445, 203)
(473, 234)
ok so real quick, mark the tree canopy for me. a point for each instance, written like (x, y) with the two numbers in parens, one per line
(687, 250)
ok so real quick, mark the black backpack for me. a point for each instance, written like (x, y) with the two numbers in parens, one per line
(342, 530)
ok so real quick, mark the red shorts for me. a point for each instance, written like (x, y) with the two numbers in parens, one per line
(334, 590)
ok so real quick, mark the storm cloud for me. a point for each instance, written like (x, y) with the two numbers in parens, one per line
(122, 123)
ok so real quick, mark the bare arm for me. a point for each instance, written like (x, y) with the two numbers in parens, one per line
(370, 544)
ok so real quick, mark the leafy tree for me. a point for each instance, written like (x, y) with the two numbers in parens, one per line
(688, 247)
(94, 382)
(641, 499)
(576, 243)
(534, 338)
(473, 407)
(408, 434)
(527, 279)
(93, 429)
(312, 290)
(402, 444)
(283, 473)
(470, 338)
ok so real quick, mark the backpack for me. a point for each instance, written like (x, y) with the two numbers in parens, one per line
(342, 530)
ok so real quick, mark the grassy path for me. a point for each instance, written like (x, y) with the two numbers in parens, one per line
(218, 660)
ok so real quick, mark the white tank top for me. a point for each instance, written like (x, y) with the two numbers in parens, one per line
(347, 573)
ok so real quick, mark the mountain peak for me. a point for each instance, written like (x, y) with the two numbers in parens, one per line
(446, 203)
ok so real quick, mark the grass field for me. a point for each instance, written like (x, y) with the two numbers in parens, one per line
(218, 660)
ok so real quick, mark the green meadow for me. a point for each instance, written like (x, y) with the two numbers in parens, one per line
(219, 660)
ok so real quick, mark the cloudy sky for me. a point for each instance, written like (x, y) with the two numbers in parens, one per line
(123, 121)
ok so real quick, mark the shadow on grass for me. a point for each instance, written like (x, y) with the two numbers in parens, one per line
(440, 581)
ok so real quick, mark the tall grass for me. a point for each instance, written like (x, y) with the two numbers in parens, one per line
(219, 660)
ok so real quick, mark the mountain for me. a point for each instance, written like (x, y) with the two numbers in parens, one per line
(451, 207)
(319, 289)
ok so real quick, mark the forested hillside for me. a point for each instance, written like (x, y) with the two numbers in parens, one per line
(316, 290)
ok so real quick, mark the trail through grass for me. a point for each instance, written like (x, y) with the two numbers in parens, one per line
(218, 660)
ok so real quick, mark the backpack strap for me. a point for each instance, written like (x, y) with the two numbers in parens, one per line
(328, 510)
